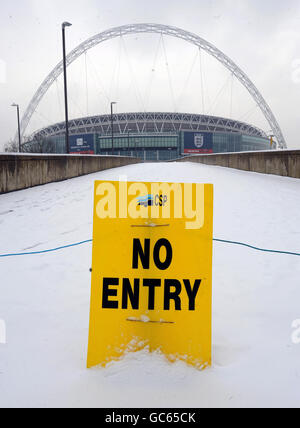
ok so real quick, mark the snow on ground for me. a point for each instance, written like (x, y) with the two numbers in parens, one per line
(44, 299)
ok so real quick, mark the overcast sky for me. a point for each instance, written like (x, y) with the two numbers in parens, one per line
(262, 37)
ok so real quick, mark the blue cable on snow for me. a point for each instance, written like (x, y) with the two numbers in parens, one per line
(256, 248)
(90, 240)
(47, 251)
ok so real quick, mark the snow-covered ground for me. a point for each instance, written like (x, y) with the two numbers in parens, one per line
(44, 299)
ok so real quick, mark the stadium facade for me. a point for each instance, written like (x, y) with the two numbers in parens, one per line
(151, 136)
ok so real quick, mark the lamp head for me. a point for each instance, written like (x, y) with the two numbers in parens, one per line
(66, 24)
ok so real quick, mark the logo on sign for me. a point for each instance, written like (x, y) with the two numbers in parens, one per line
(150, 200)
(146, 201)
(188, 202)
(199, 141)
(79, 142)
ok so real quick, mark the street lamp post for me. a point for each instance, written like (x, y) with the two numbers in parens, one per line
(64, 25)
(19, 129)
(112, 125)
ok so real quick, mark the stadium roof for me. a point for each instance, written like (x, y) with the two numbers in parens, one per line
(146, 123)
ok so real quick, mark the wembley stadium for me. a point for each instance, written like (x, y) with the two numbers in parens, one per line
(150, 136)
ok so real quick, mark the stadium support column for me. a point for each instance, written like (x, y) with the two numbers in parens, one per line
(129, 130)
(112, 125)
(19, 129)
(64, 25)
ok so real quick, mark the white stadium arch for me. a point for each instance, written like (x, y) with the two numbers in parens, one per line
(164, 30)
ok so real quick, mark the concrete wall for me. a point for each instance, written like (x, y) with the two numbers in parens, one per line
(22, 171)
(283, 162)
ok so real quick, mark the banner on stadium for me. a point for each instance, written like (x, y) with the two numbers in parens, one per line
(82, 144)
(198, 142)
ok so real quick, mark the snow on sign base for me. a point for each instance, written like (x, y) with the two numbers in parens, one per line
(151, 271)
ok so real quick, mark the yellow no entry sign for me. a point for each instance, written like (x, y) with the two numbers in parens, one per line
(151, 271)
